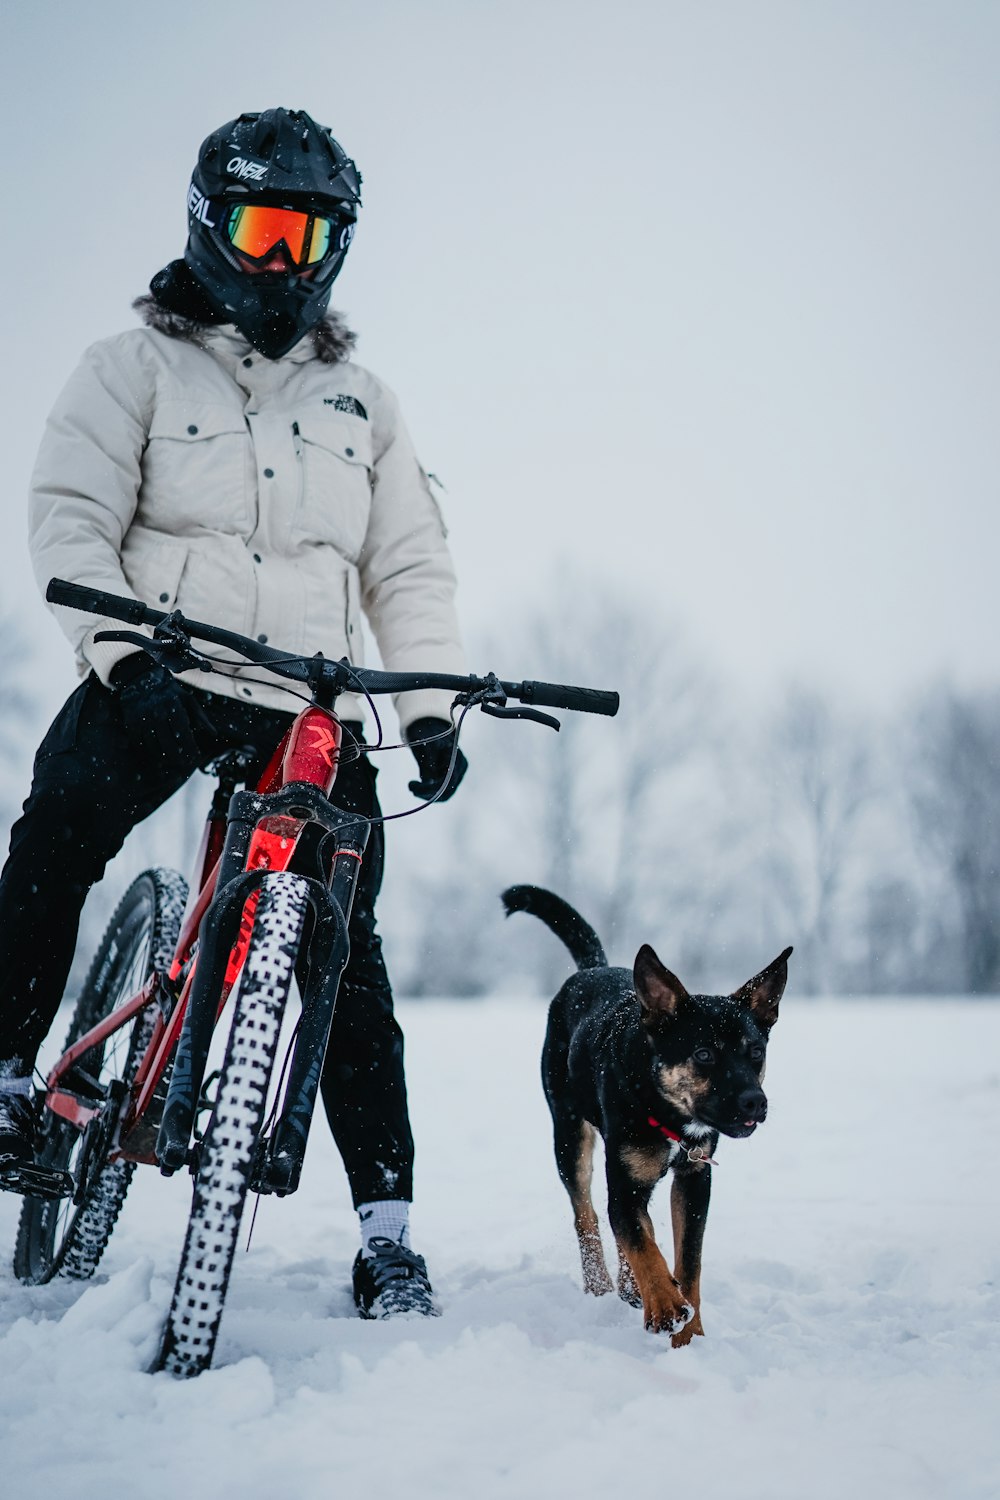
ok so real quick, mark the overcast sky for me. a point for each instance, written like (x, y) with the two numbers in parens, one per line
(702, 297)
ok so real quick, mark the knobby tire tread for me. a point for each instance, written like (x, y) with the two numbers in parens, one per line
(228, 1148)
(43, 1251)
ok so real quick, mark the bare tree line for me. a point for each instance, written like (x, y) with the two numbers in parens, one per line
(718, 829)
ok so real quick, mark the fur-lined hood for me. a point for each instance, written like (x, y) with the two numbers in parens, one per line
(332, 340)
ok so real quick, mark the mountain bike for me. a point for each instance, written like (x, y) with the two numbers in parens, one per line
(271, 898)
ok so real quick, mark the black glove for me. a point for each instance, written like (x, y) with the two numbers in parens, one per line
(433, 756)
(154, 711)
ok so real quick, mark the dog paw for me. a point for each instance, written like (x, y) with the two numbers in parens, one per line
(629, 1292)
(596, 1280)
(692, 1329)
(628, 1287)
(596, 1285)
(667, 1314)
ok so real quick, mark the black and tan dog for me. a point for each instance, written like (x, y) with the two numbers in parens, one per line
(660, 1073)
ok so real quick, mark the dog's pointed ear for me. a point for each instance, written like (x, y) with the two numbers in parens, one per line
(763, 992)
(658, 991)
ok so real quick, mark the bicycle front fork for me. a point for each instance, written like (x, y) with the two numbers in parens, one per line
(279, 1165)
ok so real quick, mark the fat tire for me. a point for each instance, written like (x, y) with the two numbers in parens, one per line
(55, 1237)
(227, 1152)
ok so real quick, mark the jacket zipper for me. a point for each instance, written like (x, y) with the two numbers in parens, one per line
(300, 461)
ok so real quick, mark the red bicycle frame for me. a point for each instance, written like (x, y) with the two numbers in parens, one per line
(308, 754)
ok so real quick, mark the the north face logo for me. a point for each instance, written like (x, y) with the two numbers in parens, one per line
(346, 403)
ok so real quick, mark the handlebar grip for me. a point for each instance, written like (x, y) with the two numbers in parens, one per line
(97, 602)
(558, 695)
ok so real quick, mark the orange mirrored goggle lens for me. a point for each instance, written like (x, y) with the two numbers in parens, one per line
(255, 231)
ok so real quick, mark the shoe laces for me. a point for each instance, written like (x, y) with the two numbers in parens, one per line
(390, 1261)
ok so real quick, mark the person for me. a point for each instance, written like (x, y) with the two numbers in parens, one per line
(230, 460)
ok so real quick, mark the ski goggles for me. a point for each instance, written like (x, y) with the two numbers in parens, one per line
(256, 231)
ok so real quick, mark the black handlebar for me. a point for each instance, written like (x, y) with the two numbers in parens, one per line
(559, 695)
(97, 602)
(341, 675)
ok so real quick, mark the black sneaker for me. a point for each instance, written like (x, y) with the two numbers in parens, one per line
(390, 1281)
(17, 1116)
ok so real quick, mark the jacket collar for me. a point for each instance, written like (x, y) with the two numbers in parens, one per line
(225, 341)
(330, 342)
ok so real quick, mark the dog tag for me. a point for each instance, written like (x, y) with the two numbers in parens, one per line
(700, 1156)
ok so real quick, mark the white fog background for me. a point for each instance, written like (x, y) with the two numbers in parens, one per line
(694, 309)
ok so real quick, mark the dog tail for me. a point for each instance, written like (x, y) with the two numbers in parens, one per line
(580, 938)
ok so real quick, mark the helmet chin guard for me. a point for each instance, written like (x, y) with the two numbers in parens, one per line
(282, 158)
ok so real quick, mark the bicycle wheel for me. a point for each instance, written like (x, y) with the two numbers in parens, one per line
(59, 1237)
(229, 1145)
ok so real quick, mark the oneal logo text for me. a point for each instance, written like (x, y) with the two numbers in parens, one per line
(198, 205)
(238, 166)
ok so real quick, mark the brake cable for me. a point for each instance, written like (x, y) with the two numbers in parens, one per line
(171, 647)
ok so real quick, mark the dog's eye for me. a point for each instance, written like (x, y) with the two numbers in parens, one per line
(703, 1056)
(756, 1054)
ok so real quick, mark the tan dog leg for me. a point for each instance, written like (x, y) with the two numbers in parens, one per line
(595, 1271)
(689, 1197)
(665, 1309)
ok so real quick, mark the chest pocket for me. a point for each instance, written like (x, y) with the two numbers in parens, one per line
(335, 451)
(195, 470)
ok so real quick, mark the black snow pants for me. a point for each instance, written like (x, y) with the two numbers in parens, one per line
(92, 784)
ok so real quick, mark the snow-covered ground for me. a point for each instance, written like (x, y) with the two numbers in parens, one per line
(851, 1303)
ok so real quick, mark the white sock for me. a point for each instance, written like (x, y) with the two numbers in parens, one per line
(385, 1219)
(23, 1086)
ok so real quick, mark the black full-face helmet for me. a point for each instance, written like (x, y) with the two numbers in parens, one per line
(271, 187)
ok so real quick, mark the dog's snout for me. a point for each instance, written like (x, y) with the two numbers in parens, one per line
(753, 1105)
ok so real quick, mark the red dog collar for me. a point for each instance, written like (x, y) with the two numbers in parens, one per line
(696, 1154)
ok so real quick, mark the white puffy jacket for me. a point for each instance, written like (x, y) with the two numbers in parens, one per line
(277, 498)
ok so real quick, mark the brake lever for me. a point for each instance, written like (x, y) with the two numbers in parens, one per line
(496, 712)
(492, 699)
(170, 649)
